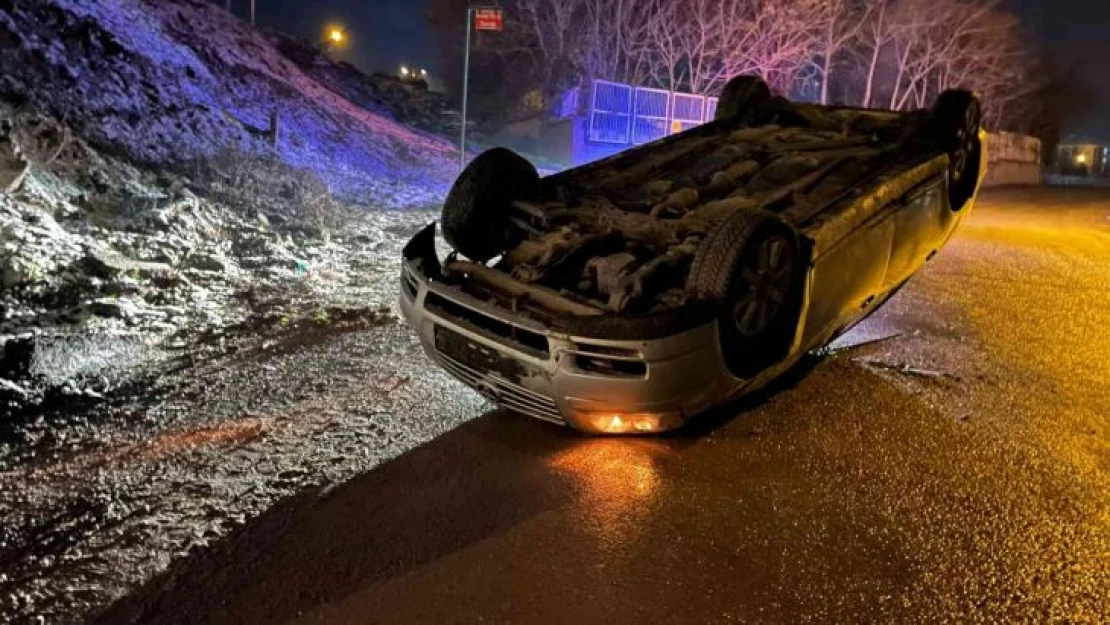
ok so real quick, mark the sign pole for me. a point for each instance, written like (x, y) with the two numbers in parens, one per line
(466, 83)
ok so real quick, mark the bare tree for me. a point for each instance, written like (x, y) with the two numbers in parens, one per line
(900, 53)
(547, 31)
(771, 39)
(874, 36)
(670, 31)
(841, 23)
(972, 44)
(694, 45)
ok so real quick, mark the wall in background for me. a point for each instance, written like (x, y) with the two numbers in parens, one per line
(1013, 159)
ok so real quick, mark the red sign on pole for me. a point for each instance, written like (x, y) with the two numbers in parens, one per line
(488, 19)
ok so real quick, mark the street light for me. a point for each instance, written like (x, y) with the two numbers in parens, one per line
(404, 71)
(335, 36)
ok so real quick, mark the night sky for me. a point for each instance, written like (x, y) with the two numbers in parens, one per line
(386, 33)
(1079, 32)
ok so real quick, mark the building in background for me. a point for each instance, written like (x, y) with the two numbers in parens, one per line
(1079, 156)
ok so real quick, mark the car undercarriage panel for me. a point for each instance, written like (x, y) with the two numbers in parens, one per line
(619, 236)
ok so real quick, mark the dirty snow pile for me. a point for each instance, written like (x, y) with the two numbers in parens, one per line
(105, 265)
(166, 82)
(168, 175)
(408, 100)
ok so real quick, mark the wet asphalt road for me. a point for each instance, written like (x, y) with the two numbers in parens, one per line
(958, 471)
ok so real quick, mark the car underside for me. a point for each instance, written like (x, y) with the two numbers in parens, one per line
(729, 223)
(620, 236)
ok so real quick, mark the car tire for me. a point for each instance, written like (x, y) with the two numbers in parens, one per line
(955, 121)
(751, 266)
(741, 96)
(476, 214)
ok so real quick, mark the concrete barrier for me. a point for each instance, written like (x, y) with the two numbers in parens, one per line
(1013, 159)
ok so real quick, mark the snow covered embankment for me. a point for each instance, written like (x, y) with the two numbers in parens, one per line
(162, 207)
(96, 282)
(169, 81)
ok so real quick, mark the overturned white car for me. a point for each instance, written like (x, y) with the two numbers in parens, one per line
(630, 294)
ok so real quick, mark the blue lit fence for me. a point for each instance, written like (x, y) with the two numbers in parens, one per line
(689, 111)
(623, 115)
(610, 112)
(710, 108)
(651, 110)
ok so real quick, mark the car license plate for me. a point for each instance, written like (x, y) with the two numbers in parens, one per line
(477, 356)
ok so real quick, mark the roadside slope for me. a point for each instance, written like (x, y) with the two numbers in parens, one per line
(170, 81)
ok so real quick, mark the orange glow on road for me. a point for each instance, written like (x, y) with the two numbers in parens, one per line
(617, 478)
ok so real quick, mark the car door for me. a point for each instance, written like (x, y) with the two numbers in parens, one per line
(922, 221)
(848, 276)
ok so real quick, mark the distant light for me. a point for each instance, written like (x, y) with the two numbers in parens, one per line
(404, 71)
(423, 72)
(1082, 158)
(335, 35)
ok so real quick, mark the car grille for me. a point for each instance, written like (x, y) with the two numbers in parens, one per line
(503, 393)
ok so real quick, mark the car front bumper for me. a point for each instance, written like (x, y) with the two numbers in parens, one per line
(596, 385)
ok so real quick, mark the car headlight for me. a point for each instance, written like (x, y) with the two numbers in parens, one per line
(633, 423)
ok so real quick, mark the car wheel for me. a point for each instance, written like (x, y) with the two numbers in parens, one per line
(740, 97)
(957, 116)
(752, 266)
(476, 213)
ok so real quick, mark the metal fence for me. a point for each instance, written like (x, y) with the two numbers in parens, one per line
(688, 111)
(651, 112)
(710, 108)
(610, 112)
(628, 115)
